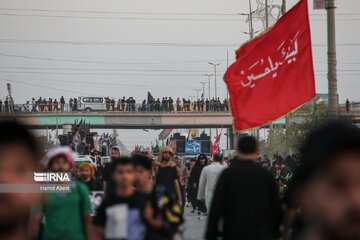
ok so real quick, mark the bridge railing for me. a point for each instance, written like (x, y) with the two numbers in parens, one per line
(113, 107)
(126, 107)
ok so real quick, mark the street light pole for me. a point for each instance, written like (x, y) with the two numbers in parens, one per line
(209, 75)
(197, 93)
(203, 87)
(215, 65)
(332, 79)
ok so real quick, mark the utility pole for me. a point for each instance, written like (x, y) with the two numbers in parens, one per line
(203, 88)
(283, 7)
(251, 30)
(215, 65)
(266, 15)
(332, 79)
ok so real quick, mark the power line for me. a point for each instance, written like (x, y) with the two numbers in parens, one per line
(112, 85)
(134, 63)
(41, 86)
(149, 18)
(102, 69)
(146, 13)
(118, 12)
(120, 18)
(134, 74)
(154, 44)
(129, 70)
(102, 62)
(106, 74)
(92, 85)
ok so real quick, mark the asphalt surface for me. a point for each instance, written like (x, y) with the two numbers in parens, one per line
(194, 225)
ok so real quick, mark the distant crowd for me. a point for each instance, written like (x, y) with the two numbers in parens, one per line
(166, 104)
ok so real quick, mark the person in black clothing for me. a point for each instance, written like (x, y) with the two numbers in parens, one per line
(56, 105)
(127, 213)
(286, 172)
(158, 105)
(75, 105)
(168, 175)
(326, 185)
(98, 174)
(143, 106)
(133, 104)
(291, 163)
(207, 105)
(194, 183)
(112, 103)
(191, 197)
(246, 199)
(163, 104)
(108, 182)
(123, 101)
(171, 106)
(62, 103)
(347, 105)
(143, 172)
(226, 105)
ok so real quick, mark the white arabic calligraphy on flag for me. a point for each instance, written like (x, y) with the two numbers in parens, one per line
(285, 53)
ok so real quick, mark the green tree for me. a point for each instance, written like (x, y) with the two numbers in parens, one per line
(275, 143)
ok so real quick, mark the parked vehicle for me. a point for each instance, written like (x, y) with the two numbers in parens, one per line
(89, 104)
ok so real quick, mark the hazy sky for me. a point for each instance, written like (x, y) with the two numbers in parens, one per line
(113, 67)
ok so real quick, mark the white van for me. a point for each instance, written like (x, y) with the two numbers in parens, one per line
(89, 104)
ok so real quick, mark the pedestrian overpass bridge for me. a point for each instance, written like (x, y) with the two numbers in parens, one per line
(125, 120)
(134, 120)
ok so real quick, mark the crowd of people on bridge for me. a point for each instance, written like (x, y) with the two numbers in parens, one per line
(6, 106)
(166, 104)
(142, 198)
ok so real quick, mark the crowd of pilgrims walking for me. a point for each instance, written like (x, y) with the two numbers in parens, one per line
(313, 196)
(167, 104)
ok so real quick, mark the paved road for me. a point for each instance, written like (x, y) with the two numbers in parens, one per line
(194, 227)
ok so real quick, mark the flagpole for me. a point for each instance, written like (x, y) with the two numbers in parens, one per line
(255, 133)
(283, 11)
(227, 98)
(267, 25)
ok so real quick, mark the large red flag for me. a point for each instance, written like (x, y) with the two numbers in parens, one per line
(273, 74)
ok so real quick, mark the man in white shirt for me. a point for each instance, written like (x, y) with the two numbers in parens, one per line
(208, 179)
